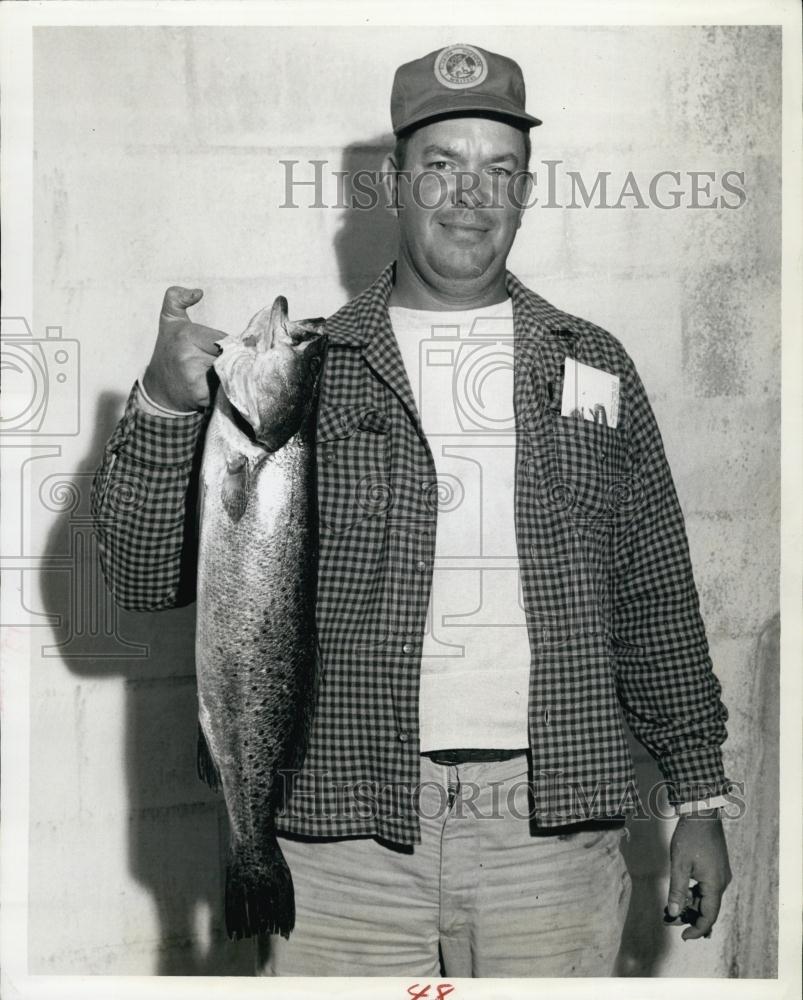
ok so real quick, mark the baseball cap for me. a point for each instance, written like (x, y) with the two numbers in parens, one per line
(460, 78)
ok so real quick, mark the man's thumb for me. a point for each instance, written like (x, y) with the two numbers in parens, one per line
(178, 299)
(678, 891)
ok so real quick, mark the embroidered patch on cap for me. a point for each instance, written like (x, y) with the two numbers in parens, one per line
(460, 66)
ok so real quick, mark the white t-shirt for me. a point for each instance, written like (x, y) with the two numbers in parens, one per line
(476, 656)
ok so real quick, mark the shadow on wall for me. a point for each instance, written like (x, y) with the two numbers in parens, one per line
(366, 240)
(176, 826)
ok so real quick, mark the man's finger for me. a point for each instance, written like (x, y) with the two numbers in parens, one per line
(177, 300)
(709, 904)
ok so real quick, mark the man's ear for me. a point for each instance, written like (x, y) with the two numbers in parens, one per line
(390, 182)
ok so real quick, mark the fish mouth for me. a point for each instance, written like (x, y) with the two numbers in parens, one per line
(281, 330)
(278, 318)
(270, 370)
(264, 327)
(271, 327)
(305, 331)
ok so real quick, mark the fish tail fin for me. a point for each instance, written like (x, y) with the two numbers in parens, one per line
(261, 902)
(207, 768)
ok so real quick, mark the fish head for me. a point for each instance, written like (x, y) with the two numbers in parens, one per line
(270, 373)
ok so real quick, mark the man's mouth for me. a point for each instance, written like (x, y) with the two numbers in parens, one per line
(464, 231)
(455, 222)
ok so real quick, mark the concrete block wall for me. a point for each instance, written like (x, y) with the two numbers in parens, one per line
(157, 162)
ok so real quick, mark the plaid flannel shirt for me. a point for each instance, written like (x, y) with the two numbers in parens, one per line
(612, 610)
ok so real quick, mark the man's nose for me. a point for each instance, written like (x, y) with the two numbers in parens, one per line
(471, 189)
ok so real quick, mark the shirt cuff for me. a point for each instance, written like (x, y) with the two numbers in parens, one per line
(152, 440)
(692, 808)
(147, 405)
(695, 774)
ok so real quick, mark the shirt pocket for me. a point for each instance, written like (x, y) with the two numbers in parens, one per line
(592, 466)
(352, 450)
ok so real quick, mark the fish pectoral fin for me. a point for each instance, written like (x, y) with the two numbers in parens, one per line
(234, 489)
(259, 897)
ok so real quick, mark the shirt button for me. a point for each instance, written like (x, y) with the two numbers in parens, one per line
(424, 485)
(403, 736)
(407, 647)
(421, 565)
(329, 455)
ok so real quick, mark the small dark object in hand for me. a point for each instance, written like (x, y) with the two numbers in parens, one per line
(690, 913)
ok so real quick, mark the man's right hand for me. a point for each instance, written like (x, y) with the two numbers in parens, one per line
(177, 375)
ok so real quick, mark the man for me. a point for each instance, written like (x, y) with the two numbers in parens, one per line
(463, 796)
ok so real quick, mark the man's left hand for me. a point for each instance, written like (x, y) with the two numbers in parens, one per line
(698, 851)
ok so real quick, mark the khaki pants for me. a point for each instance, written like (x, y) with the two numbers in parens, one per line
(480, 892)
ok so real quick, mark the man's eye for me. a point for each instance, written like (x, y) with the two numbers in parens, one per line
(499, 172)
(439, 165)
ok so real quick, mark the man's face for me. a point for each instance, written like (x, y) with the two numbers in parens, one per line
(458, 210)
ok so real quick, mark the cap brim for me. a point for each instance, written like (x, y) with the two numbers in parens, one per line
(465, 104)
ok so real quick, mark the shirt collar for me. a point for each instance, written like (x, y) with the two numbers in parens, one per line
(364, 322)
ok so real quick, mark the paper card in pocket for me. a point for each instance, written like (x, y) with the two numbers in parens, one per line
(590, 392)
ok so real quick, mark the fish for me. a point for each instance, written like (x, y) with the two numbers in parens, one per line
(257, 655)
